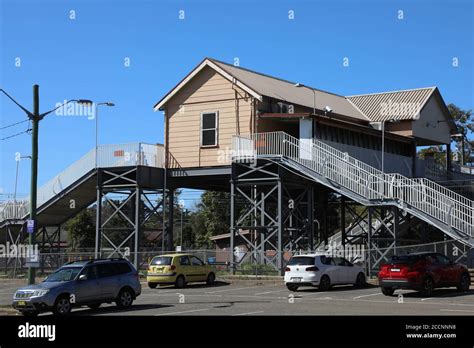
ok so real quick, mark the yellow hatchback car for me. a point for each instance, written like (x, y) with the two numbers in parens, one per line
(178, 269)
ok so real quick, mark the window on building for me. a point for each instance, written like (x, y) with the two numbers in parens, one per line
(209, 121)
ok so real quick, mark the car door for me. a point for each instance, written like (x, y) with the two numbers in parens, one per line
(349, 272)
(447, 269)
(88, 289)
(198, 269)
(330, 269)
(185, 267)
(107, 279)
(340, 270)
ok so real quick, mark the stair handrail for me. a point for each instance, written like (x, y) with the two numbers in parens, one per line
(423, 195)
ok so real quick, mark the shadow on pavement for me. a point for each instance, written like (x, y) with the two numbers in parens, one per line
(337, 288)
(441, 293)
(114, 309)
(194, 286)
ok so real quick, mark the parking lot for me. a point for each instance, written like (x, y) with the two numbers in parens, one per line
(241, 298)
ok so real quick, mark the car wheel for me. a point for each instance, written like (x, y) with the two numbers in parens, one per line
(62, 306)
(180, 283)
(388, 291)
(292, 287)
(124, 299)
(325, 283)
(152, 285)
(360, 281)
(464, 283)
(94, 306)
(427, 287)
(211, 279)
(29, 313)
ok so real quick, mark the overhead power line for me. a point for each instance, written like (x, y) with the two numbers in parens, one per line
(14, 135)
(14, 124)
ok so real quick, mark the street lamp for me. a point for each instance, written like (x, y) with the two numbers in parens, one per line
(181, 207)
(35, 117)
(16, 174)
(299, 85)
(96, 113)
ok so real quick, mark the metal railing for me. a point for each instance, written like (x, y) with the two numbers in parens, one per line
(115, 155)
(367, 183)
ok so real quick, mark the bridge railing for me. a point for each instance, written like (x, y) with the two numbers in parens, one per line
(115, 155)
(425, 196)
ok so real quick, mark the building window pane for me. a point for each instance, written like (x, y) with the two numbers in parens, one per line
(209, 129)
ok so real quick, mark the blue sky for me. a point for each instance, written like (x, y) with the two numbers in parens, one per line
(84, 58)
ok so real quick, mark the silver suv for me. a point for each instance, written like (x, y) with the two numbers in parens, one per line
(81, 283)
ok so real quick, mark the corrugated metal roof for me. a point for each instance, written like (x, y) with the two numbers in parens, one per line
(285, 90)
(397, 105)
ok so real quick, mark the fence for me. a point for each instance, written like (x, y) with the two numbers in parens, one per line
(221, 259)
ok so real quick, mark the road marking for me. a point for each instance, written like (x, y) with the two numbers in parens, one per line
(357, 297)
(456, 310)
(270, 292)
(183, 312)
(235, 289)
(248, 313)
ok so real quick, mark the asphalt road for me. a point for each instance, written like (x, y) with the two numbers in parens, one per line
(250, 298)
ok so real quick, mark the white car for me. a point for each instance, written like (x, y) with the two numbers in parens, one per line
(322, 271)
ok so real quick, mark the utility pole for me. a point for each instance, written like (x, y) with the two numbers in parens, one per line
(35, 118)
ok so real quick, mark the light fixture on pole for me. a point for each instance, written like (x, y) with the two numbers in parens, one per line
(35, 117)
(299, 85)
(87, 102)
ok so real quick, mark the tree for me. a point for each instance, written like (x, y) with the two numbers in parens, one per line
(81, 230)
(211, 218)
(464, 121)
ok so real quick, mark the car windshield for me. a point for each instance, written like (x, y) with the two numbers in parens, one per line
(162, 260)
(301, 260)
(64, 274)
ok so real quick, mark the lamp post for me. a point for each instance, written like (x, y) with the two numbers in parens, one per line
(96, 111)
(35, 117)
(181, 207)
(16, 174)
(299, 85)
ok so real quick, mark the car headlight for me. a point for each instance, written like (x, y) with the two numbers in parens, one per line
(39, 293)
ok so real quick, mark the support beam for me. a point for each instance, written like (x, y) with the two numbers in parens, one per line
(169, 232)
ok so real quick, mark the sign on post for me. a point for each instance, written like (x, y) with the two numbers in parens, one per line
(30, 226)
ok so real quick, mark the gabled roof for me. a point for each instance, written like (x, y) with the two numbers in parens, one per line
(287, 91)
(374, 107)
(396, 105)
(259, 85)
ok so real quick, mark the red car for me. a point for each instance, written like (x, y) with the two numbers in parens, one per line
(424, 272)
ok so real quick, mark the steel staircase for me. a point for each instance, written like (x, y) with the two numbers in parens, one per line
(448, 211)
(78, 181)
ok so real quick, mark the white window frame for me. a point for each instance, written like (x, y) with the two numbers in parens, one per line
(216, 140)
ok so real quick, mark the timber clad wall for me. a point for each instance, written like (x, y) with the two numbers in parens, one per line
(206, 92)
